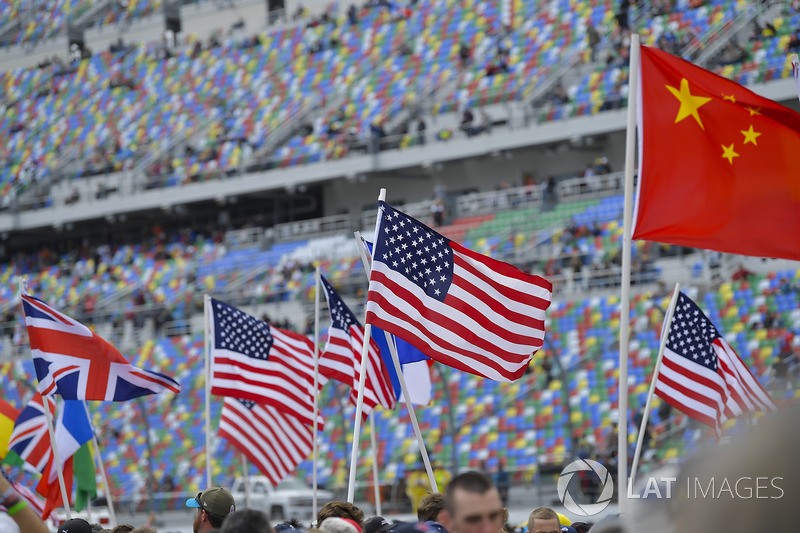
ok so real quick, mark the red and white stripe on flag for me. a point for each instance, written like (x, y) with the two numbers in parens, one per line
(341, 357)
(456, 306)
(273, 441)
(701, 375)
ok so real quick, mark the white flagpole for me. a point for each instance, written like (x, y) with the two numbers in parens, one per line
(398, 368)
(109, 499)
(625, 297)
(317, 286)
(246, 477)
(373, 446)
(56, 462)
(362, 379)
(656, 369)
(375, 480)
(206, 322)
(22, 283)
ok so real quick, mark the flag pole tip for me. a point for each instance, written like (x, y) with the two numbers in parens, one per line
(382, 195)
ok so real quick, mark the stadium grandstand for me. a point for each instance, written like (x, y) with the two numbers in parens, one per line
(153, 151)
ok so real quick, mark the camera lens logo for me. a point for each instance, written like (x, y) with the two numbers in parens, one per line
(591, 469)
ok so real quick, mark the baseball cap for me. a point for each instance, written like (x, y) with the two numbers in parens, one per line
(377, 524)
(418, 527)
(216, 501)
(75, 525)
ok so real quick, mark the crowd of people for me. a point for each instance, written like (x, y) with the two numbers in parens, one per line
(471, 503)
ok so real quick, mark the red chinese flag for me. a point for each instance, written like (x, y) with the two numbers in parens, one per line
(718, 163)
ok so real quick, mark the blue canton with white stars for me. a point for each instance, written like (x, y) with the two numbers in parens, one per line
(341, 315)
(692, 334)
(414, 250)
(249, 404)
(239, 332)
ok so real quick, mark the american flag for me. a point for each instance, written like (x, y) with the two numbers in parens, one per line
(252, 360)
(457, 306)
(341, 358)
(272, 440)
(701, 375)
(72, 361)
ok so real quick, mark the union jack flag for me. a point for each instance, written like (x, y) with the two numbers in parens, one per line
(341, 358)
(74, 362)
(30, 440)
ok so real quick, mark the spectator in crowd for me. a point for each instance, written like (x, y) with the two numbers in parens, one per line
(437, 210)
(593, 37)
(732, 54)
(213, 507)
(352, 15)
(741, 273)
(472, 505)
(335, 524)
(421, 127)
(559, 95)
(794, 44)
(377, 524)
(502, 481)
(342, 510)
(468, 122)
(464, 54)
(247, 521)
(431, 507)
(544, 520)
(18, 513)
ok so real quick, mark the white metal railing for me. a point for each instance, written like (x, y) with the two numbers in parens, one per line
(244, 237)
(315, 226)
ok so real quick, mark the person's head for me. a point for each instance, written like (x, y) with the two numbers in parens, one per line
(336, 524)
(247, 521)
(213, 506)
(544, 520)
(341, 510)
(430, 507)
(472, 505)
(75, 525)
(123, 528)
(377, 524)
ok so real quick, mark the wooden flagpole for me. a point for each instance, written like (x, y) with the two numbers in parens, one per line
(206, 322)
(650, 393)
(23, 284)
(399, 369)
(317, 286)
(625, 297)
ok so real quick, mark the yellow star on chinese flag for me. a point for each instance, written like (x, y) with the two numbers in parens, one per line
(689, 102)
(750, 136)
(753, 110)
(728, 153)
(729, 97)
